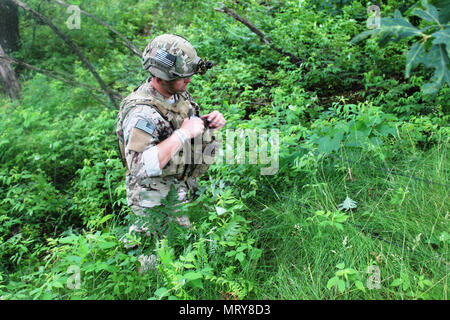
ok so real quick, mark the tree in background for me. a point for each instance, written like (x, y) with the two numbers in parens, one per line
(9, 41)
(9, 26)
(8, 79)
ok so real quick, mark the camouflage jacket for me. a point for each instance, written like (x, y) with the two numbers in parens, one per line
(145, 119)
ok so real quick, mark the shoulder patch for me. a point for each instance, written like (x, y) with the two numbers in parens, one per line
(146, 126)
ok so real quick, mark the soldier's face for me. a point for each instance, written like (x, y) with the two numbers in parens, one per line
(176, 86)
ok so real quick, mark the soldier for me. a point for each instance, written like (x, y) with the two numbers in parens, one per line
(156, 124)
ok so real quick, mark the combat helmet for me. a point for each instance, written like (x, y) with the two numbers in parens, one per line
(171, 57)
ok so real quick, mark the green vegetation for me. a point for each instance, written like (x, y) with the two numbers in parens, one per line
(359, 208)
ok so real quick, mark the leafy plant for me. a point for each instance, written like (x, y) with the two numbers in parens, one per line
(412, 289)
(329, 219)
(362, 127)
(432, 49)
(63, 207)
(345, 278)
(158, 220)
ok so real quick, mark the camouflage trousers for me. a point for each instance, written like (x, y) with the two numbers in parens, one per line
(153, 228)
(154, 225)
(129, 241)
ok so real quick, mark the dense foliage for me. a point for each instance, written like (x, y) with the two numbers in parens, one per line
(362, 187)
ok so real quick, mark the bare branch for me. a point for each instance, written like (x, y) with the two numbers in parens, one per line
(237, 17)
(58, 76)
(111, 93)
(125, 42)
(266, 40)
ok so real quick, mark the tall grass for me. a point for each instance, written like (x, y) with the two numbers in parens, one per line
(396, 226)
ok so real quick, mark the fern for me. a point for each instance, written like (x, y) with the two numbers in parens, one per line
(158, 220)
(231, 287)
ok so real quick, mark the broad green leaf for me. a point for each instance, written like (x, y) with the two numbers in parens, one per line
(442, 37)
(386, 129)
(396, 282)
(128, 290)
(331, 141)
(72, 259)
(104, 266)
(230, 253)
(116, 289)
(57, 284)
(47, 296)
(161, 292)
(399, 27)
(395, 28)
(72, 239)
(105, 218)
(325, 144)
(255, 254)
(436, 57)
(106, 245)
(363, 35)
(414, 56)
(340, 218)
(240, 256)
(429, 14)
(357, 138)
(341, 285)
(197, 283)
(340, 265)
(83, 249)
(351, 271)
(427, 282)
(359, 285)
(432, 58)
(192, 275)
(339, 226)
(332, 282)
(444, 10)
(406, 284)
(421, 285)
(441, 73)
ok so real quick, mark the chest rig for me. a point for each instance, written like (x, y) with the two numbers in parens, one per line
(185, 165)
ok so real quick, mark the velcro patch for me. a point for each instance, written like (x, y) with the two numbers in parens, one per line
(165, 58)
(146, 126)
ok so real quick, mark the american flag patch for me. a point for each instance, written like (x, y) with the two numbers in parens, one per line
(165, 58)
(148, 127)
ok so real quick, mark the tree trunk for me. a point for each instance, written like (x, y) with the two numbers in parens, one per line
(9, 26)
(8, 80)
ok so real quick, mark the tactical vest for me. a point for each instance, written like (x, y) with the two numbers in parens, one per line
(175, 115)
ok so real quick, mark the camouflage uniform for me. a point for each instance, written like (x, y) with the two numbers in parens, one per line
(147, 118)
(145, 105)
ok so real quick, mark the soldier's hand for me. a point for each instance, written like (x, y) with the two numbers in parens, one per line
(216, 119)
(192, 127)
